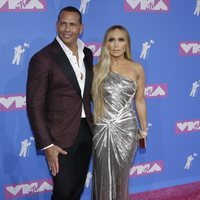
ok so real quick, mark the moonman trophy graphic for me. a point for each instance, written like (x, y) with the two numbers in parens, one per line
(149, 125)
(195, 87)
(18, 54)
(145, 48)
(25, 146)
(197, 9)
(84, 7)
(189, 161)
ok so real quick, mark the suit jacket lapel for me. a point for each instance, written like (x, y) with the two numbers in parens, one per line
(65, 66)
(88, 74)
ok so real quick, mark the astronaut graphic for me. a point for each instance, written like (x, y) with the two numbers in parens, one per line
(145, 49)
(18, 53)
(189, 160)
(148, 126)
(197, 9)
(25, 146)
(84, 6)
(195, 87)
(88, 179)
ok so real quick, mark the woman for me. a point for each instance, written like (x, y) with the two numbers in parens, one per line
(118, 82)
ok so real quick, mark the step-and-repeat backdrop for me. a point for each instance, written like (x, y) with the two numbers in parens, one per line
(165, 40)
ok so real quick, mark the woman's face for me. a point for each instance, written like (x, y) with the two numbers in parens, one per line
(117, 43)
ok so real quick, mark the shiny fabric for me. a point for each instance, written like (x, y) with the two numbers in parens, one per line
(115, 140)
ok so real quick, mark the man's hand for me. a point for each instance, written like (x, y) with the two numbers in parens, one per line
(52, 158)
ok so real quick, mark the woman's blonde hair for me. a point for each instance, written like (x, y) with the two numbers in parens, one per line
(102, 69)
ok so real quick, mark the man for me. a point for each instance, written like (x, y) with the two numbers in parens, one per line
(58, 105)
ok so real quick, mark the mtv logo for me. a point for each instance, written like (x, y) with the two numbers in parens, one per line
(146, 5)
(22, 5)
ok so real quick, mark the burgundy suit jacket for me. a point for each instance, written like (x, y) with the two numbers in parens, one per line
(54, 99)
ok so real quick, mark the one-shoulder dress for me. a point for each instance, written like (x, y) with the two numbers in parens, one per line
(115, 139)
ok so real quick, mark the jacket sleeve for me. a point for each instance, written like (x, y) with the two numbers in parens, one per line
(36, 94)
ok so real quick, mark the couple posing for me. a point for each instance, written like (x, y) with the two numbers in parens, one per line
(61, 79)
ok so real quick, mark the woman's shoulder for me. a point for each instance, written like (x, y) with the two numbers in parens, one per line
(135, 66)
(136, 69)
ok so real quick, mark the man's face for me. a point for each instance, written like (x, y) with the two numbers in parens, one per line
(69, 28)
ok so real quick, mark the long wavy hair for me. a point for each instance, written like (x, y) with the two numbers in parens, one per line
(102, 69)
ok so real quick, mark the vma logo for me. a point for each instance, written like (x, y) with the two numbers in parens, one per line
(25, 189)
(156, 90)
(146, 5)
(22, 5)
(147, 168)
(187, 126)
(95, 48)
(189, 48)
(8, 103)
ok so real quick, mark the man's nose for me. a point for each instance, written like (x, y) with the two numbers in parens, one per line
(67, 27)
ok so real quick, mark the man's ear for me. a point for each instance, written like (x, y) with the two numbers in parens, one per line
(81, 29)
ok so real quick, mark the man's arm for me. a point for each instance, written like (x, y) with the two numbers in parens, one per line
(37, 85)
(37, 88)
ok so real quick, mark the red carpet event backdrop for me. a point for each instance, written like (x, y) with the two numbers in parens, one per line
(165, 40)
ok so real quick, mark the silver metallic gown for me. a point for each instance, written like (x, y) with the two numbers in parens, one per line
(115, 140)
